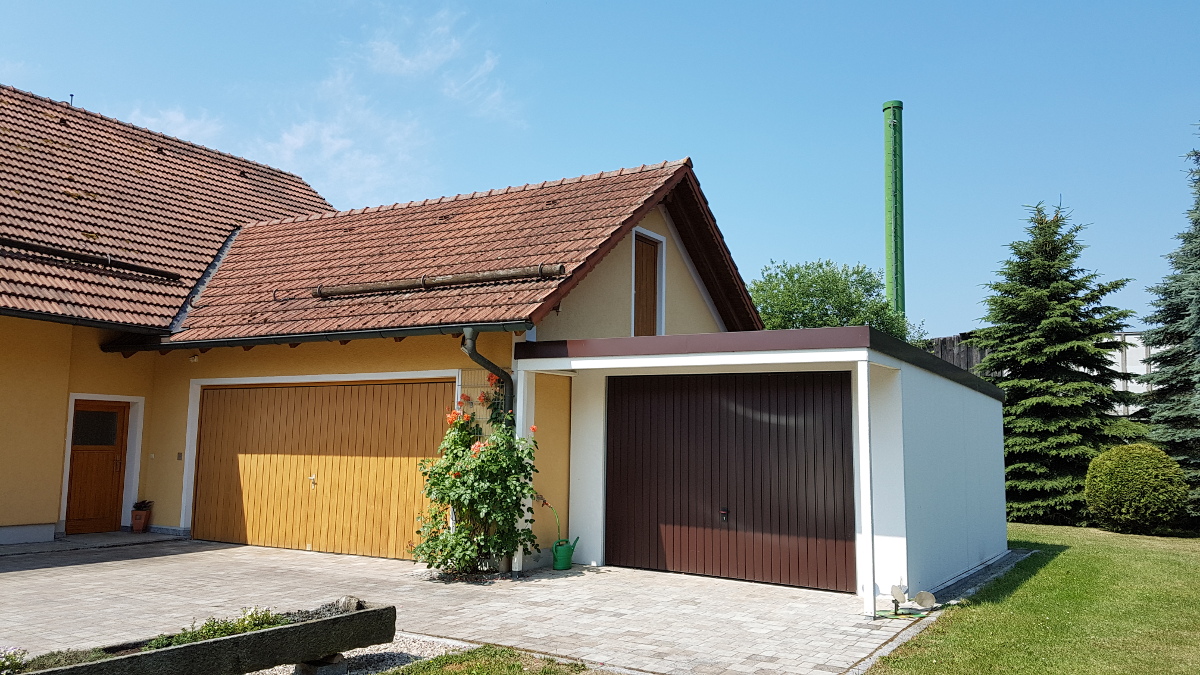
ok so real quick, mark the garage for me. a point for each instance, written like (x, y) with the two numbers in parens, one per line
(745, 476)
(329, 468)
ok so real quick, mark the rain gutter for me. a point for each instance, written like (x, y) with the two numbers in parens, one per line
(247, 342)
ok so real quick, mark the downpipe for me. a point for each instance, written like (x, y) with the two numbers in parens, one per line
(469, 338)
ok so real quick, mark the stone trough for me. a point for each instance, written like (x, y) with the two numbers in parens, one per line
(315, 647)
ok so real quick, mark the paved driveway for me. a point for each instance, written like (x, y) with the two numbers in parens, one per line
(666, 623)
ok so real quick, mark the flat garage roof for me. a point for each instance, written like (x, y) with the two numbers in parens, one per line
(803, 339)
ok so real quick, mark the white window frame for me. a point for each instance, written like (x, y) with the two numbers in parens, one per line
(660, 327)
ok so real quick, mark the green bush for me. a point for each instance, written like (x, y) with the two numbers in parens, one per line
(251, 619)
(479, 489)
(1135, 489)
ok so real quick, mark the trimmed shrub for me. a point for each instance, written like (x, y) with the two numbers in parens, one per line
(1135, 489)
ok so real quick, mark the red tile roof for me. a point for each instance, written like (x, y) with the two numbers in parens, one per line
(264, 285)
(75, 180)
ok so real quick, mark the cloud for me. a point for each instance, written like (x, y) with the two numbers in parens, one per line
(478, 89)
(175, 122)
(12, 71)
(439, 50)
(349, 150)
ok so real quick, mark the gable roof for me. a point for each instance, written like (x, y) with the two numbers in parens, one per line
(263, 290)
(105, 223)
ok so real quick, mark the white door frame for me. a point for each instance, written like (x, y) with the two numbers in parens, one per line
(193, 414)
(133, 453)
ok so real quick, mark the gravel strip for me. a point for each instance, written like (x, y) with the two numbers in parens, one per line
(405, 649)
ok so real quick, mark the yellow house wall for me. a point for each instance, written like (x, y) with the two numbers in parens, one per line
(35, 367)
(552, 417)
(685, 309)
(97, 372)
(42, 364)
(602, 304)
(167, 407)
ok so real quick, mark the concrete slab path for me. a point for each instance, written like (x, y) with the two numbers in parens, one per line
(652, 621)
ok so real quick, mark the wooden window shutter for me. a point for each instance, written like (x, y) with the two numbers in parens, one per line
(645, 286)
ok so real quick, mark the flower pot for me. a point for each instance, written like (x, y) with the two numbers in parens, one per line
(140, 520)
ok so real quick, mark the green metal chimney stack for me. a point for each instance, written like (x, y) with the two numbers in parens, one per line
(893, 179)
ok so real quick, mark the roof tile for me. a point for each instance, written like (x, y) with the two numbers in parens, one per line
(263, 287)
(103, 187)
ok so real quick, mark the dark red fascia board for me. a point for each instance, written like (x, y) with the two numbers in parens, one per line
(850, 337)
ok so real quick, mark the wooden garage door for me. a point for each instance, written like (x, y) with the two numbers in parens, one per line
(772, 449)
(320, 468)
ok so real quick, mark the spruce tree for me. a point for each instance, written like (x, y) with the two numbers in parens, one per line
(1172, 403)
(1048, 347)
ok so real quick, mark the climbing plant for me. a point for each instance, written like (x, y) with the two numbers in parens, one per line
(480, 489)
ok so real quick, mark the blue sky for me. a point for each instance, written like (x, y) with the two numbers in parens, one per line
(778, 104)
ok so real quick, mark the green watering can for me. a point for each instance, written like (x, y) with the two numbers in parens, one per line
(563, 550)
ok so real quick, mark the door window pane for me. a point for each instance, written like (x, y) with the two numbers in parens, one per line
(95, 427)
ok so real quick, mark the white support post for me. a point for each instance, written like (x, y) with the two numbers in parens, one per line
(865, 544)
(523, 418)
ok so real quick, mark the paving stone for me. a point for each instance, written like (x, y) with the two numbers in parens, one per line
(92, 597)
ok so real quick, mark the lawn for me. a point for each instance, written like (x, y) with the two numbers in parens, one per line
(492, 660)
(1089, 602)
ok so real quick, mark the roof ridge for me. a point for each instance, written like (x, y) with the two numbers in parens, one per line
(321, 215)
(151, 131)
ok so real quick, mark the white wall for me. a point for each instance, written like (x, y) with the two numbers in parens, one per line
(953, 478)
(887, 478)
(588, 466)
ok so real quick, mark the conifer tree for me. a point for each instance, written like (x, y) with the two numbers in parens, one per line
(1173, 400)
(1048, 346)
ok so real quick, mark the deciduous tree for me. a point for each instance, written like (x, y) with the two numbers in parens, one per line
(822, 294)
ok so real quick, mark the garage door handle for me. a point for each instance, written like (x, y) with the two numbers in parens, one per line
(313, 480)
(724, 514)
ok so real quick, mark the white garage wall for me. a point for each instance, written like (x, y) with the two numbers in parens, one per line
(588, 466)
(887, 479)
(953, 478)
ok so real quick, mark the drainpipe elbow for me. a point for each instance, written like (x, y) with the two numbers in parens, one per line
(469, 347)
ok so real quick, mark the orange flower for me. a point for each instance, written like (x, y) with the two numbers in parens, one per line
(493, 379)
(452, 417)
(465, 398)
(477, 448)
(456, 474)
(533, 428)
(467, 417)
(483, 397)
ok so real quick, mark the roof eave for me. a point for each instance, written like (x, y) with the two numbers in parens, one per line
(82, 321)
(126, 347)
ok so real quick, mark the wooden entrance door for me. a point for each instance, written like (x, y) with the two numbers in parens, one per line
(747, 476)
(322, 468)
(96, 483)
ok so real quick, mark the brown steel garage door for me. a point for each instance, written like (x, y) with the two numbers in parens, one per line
(320, 468)
(771, 449)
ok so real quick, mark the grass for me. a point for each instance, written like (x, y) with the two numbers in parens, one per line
(1089, 602)
(68, 657)
(491, 660)
(251, 619)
